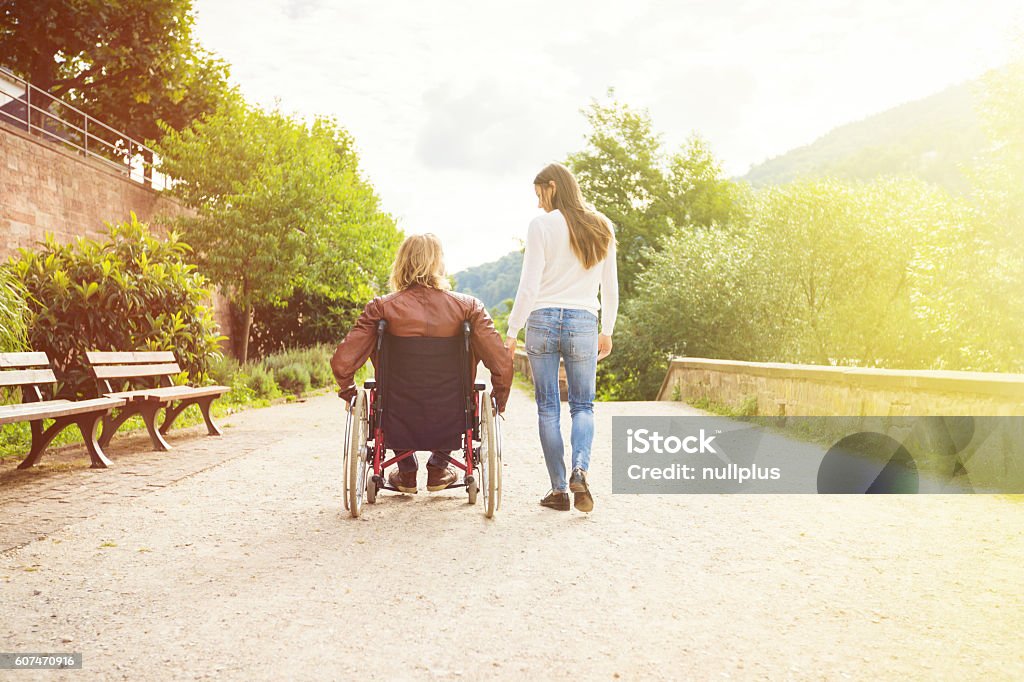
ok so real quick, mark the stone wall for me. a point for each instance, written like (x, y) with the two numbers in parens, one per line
(783, 389)
(46, 187)
(49, 187)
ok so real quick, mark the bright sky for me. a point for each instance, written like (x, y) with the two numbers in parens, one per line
(456, 104)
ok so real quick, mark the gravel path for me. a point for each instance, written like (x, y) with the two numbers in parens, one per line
(251, 570)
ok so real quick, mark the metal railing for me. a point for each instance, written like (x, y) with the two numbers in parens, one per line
(24, 106)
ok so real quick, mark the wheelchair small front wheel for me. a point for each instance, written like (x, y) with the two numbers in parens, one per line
(371, 490)
(472, 488)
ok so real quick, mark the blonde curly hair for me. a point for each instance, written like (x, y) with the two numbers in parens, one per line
(420, 260)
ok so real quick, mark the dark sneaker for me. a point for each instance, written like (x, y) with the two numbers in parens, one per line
(556, 500)
(439, 479)
(581, 497)
(403, 481)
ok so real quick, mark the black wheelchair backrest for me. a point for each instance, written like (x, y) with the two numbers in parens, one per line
(424, 390)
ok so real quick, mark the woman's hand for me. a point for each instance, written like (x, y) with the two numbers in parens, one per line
(510, 344)
(604, 346)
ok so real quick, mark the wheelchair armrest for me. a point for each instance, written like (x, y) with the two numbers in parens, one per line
(479, 386)
(370, 383)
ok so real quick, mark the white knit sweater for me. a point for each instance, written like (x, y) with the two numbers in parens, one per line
(553, 276)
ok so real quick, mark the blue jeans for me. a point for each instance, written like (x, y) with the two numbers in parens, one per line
(570, 335)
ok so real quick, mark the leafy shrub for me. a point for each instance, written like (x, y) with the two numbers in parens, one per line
(316, 361)
(223, 370)
(260, 381)
(294, 378)
(13, 313)
(130, 291)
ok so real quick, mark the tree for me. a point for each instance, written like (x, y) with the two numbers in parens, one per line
(621, 171)
(706, 293)
(627, 175)
(988, 303)
(131, 65)
(698, 193)
(281, 205)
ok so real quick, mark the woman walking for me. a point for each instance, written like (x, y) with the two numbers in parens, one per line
(570, 257)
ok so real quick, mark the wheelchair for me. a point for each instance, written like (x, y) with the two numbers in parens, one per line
(422, 398)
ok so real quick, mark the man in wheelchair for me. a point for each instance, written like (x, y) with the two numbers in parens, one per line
(421, 305)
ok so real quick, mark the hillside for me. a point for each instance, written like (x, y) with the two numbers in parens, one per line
(931, 138)
(492, 282)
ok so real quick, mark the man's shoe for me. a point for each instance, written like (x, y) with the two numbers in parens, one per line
(403, 481)
(581, 497)
(439, 479)
(556, 500)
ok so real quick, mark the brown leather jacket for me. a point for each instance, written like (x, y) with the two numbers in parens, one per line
(422, 311)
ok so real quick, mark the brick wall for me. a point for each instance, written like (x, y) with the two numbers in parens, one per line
(49, 187)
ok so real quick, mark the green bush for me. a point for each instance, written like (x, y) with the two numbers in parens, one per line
(260, 381)
(223, 370)
(316, 361)
(293, 378)
(13, 313)
(295, 371)
(130, 291)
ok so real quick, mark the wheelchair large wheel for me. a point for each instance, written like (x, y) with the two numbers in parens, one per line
(347, 453)
(355, 455)
(490, 456)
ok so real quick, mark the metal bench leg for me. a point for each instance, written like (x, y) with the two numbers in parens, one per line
(211, 426)
(148, 411)
(87, 425)
(111, 423)
(41, 439)
(172, 414)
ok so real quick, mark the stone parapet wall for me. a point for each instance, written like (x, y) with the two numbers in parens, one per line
(784, 389)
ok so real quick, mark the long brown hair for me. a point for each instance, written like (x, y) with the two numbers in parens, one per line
(590, 235)
(420, 260)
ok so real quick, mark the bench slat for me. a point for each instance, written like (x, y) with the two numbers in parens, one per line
(132, 371)
(25, 377)
(127, 358)
(51, 409)
(168, 393)
(24, 360)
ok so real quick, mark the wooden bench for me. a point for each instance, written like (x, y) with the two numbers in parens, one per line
(30, 370)
(127, 369)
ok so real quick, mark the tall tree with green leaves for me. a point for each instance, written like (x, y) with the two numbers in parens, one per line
(129, 64)
(280, 204)
(621, 171)
(698, 193)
